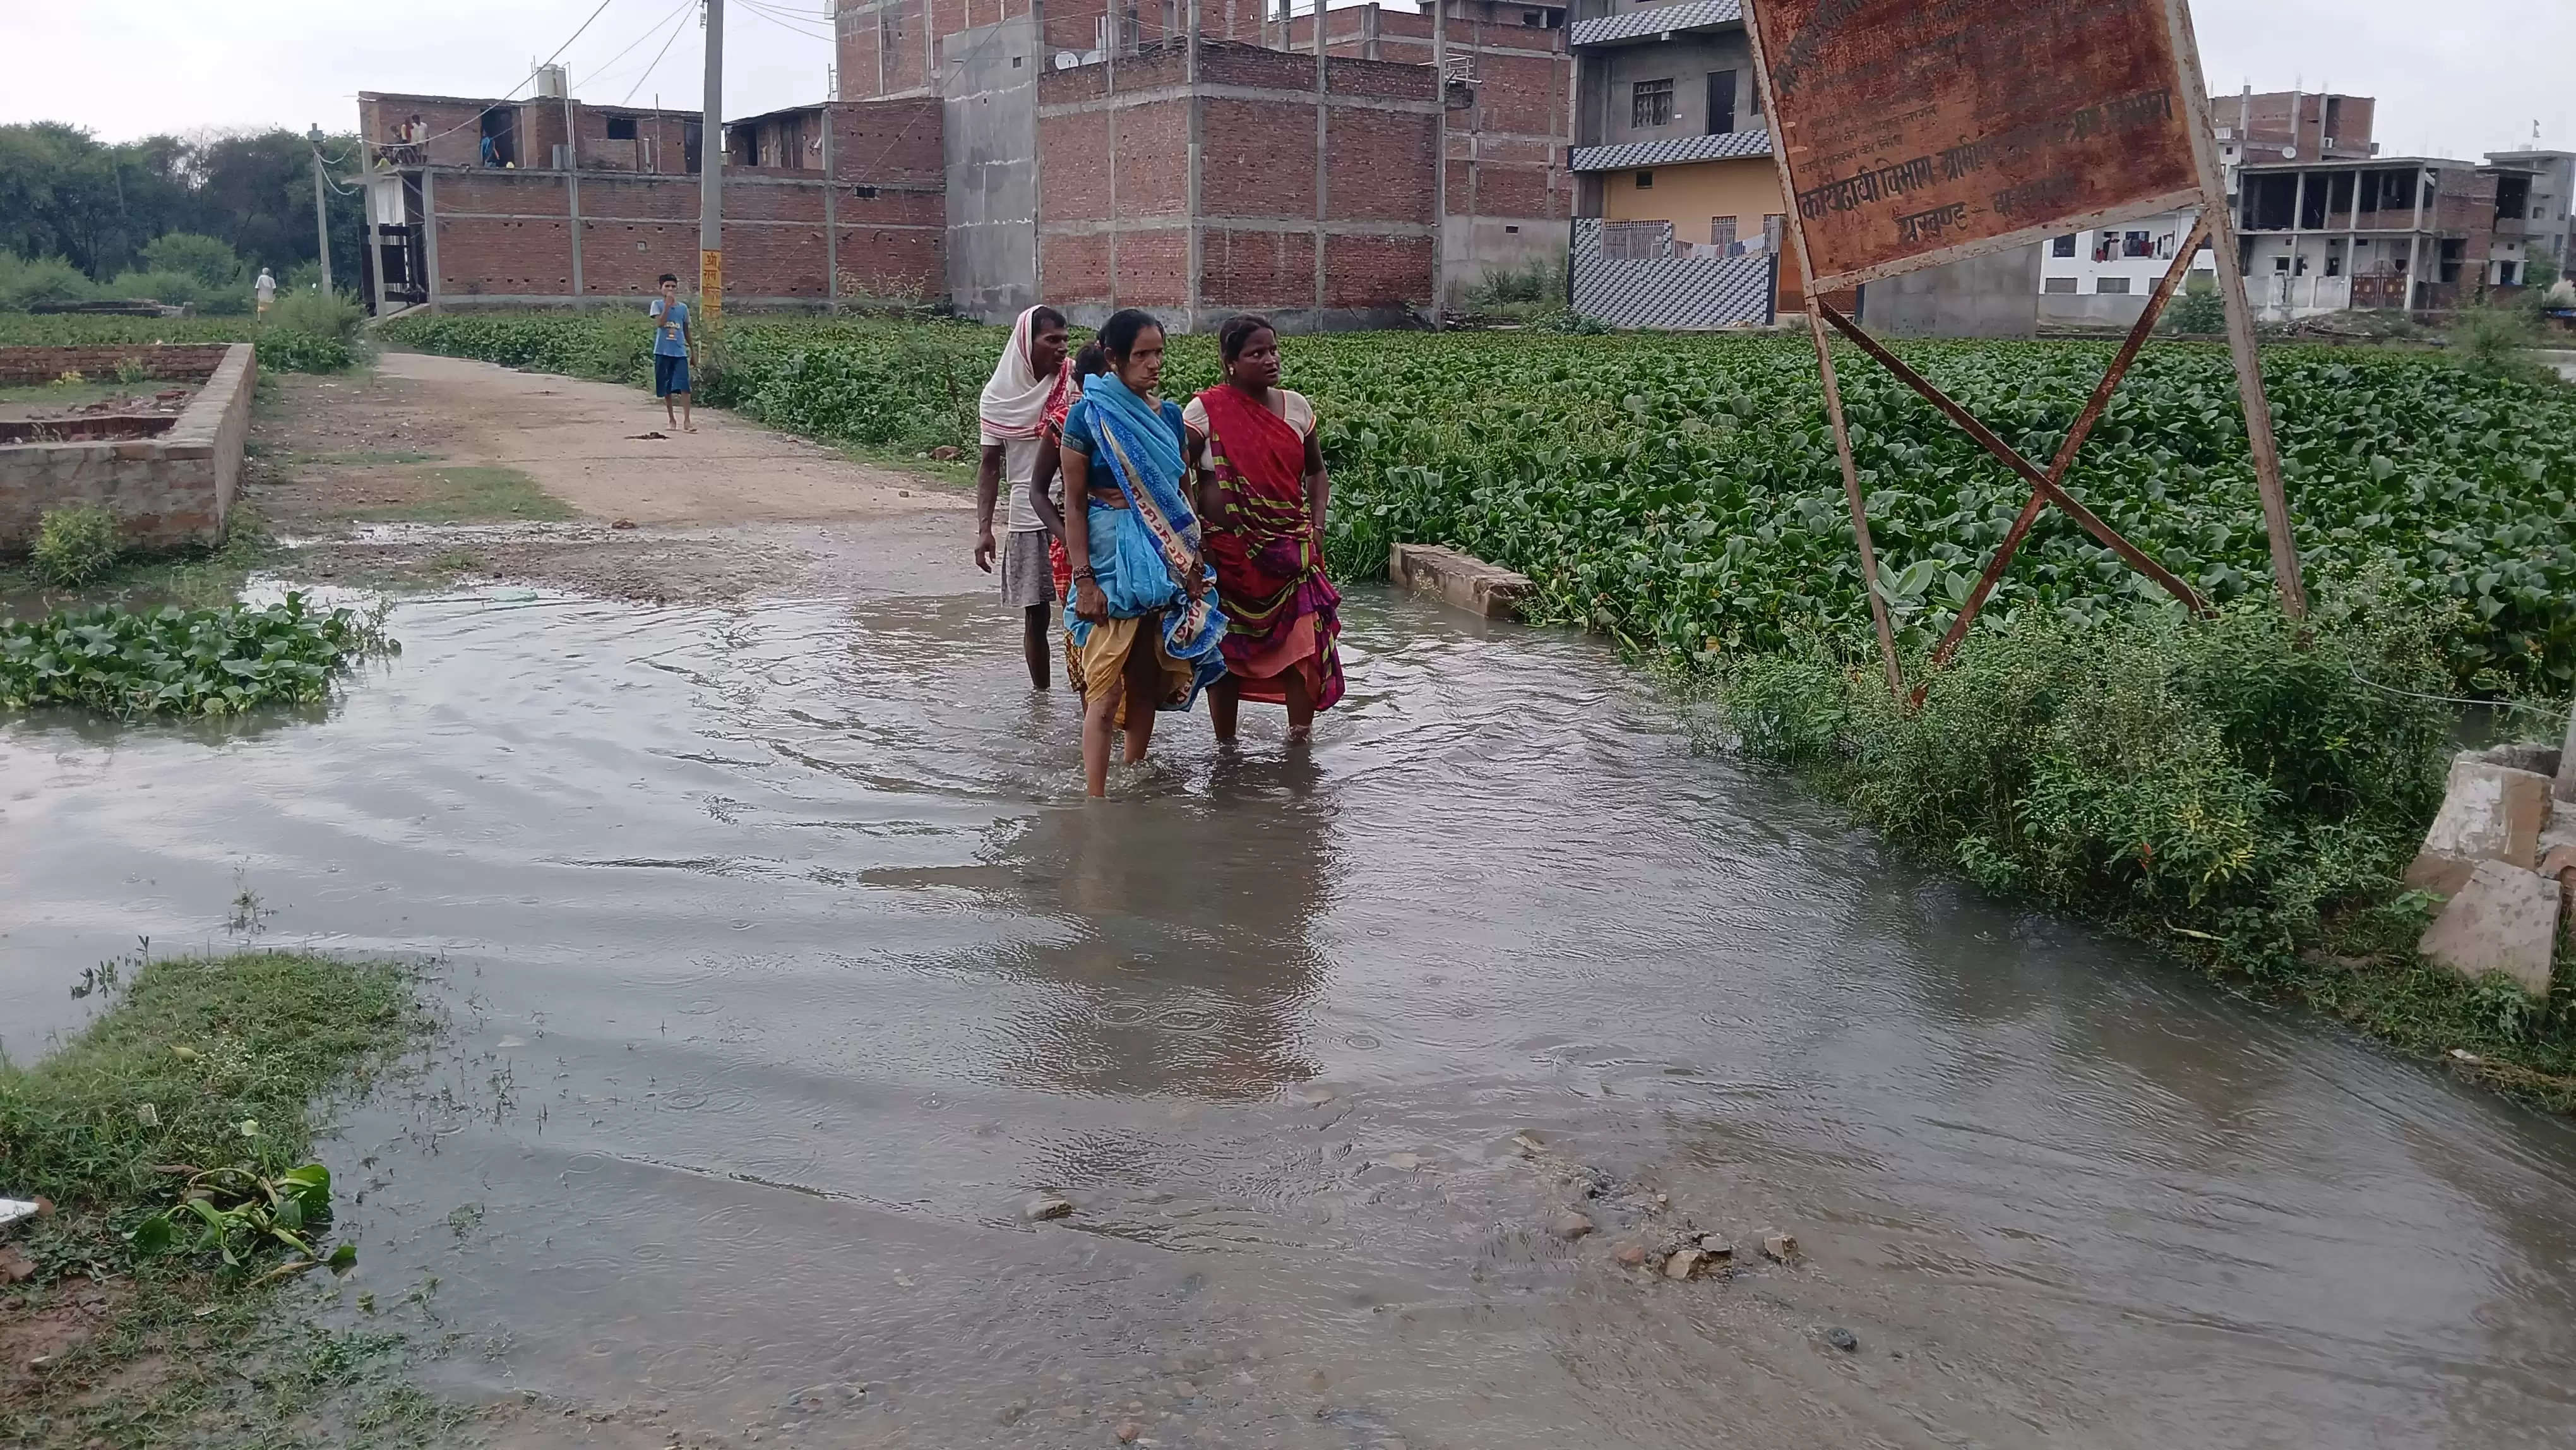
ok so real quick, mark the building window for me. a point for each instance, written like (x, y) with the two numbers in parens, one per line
(621, 128)
(2508, 273)
(1650, 103)
(1534, 18)
(1774, 227)
(2137, 244)
(1645, 181)
(2112, 287)
(2280, 264)
(2060, 286)
(1636, 241)
(2063, 246)
(1721, 231)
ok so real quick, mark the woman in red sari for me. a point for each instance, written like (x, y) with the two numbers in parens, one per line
(1262, 499)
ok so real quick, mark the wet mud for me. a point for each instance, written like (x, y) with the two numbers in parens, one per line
(788, 970)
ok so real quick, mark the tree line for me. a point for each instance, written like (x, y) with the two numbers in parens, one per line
(100, 206)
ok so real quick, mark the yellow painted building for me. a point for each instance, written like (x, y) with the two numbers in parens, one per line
(1706, 201)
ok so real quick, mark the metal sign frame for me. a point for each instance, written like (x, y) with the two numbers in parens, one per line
(2216, 222)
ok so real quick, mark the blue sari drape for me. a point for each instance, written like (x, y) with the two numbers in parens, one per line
(1141, 554)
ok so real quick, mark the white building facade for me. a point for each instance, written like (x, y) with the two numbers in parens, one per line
(2103, 277)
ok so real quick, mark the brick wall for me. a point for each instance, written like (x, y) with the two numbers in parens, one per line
(508, 233)
(1125, 239)
(166, 492)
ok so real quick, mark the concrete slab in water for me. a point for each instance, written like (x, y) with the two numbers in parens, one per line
(1460, 580)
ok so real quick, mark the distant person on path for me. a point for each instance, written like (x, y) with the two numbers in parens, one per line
(1262, 498)
(265, 290)
(1143, 615)
(1030, 383)
(675, 341)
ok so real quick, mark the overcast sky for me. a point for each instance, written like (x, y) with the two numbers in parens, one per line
(2453, 78)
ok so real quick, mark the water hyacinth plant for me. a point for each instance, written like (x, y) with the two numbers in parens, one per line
(183, 662)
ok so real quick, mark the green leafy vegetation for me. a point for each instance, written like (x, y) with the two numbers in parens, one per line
(183, 662)
(1682, 492)
(75, 546)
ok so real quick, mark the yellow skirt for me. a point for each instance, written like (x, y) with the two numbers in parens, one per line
(1104, 657)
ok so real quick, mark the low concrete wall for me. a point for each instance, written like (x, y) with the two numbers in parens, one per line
(166, 492)
(162, 361)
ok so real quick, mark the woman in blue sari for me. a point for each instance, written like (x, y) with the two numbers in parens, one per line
(1143, 613)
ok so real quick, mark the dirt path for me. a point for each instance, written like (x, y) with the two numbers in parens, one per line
(595, 446)
(429, 469)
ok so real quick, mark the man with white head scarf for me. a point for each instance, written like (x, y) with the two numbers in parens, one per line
(1030, 379)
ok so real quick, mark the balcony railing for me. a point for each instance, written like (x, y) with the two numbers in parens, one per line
(1724, 146)
(1655, 20)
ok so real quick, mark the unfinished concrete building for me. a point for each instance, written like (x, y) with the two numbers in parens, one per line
(1207, 156)
(487, 203)
(2415, 233)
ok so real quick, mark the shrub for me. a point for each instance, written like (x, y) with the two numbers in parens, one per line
(2199, 310)
(210, 260)
(75, 545)
(179, 289)
(2495, 342)
(310, 332)
(1541, 281)
(2234, 780)
(25, 281)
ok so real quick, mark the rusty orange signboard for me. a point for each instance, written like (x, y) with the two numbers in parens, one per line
(1917, 132)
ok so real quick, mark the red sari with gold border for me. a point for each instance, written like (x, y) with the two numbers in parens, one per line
(1281, 613)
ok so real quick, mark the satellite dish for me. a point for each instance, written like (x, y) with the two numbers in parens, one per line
(2289, 153)
(1066, 60)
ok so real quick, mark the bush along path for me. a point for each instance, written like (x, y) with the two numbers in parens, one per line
(171, 1141)
(2233, 791)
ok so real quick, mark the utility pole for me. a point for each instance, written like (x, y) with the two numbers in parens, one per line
(321, 215)
(711, 174)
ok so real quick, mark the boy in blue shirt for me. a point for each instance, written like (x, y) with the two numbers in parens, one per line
(674, 342)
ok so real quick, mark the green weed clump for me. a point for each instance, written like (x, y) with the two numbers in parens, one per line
(194, 1049)
(26, 281)
(2240, 789)
(183, 662)
(75, 546)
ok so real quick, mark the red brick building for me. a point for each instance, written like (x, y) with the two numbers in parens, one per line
(1197, 157)
(821, 203)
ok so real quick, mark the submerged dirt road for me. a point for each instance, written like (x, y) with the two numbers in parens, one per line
(787, 970)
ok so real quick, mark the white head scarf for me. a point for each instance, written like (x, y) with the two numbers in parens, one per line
(1016, 401)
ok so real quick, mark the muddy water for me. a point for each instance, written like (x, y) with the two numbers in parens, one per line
(785, 968)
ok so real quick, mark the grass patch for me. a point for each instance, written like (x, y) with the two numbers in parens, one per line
(360, 458)
(471, 494)
(172, 1349)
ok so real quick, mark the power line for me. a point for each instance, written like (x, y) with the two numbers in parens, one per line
(531, 75)
(602, 68)
(783, 22)
(657, 59)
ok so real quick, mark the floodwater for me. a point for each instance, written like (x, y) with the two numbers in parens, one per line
(785, 966)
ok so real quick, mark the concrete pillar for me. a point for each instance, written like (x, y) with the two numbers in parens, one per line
(2565, 788)
(429, 234)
